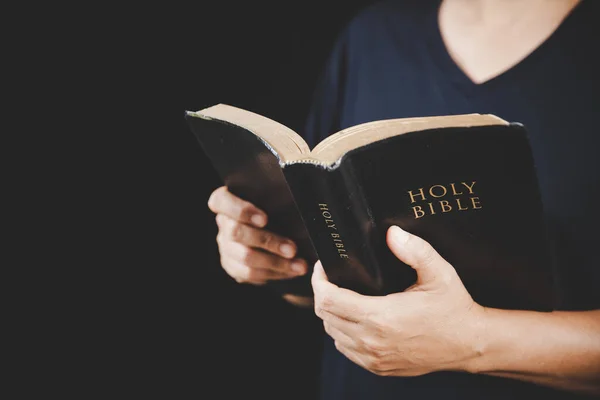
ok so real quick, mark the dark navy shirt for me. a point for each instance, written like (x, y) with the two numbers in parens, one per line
(391, 62)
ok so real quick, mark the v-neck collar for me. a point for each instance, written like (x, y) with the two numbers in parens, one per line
(458, 77)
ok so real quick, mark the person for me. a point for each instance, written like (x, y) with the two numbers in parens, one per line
(531, 61)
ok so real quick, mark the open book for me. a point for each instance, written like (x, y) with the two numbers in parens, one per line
(465, 183)
(290, 147)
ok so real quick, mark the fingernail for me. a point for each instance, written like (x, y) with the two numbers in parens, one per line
(287, 249)
(398, 234)
(298, 267)
(258, 220)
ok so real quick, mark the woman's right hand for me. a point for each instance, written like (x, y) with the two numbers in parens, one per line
(249, 253)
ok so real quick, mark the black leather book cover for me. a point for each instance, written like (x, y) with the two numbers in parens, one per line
(471, 192)
(251, 171)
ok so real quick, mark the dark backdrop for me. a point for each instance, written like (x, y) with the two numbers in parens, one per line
(169, 323)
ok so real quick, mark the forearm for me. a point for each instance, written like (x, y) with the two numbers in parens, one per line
(559, 349)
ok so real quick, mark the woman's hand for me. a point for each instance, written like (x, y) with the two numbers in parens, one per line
(429, 327)
(249, 253)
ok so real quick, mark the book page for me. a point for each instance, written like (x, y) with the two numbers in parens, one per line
(291, 147)
(284, 141)
(336, 145)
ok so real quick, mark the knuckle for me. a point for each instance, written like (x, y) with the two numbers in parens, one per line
(318, 310)
(371, 363)
(383, 372)
(245, 211)
(256, 277)
(376, 322)
(382, 324)
(381, 328)
(374, 348)
(252, 275)
(236, 231)
(266, 240)
(282, 265)
(325, 301)
(246, 255)
(374, 365)
(360, 343)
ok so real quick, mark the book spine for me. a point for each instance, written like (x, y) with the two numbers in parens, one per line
(338, 223)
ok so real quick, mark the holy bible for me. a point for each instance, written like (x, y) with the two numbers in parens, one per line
(465, 183)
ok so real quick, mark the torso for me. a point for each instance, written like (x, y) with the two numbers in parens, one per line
(393, 62)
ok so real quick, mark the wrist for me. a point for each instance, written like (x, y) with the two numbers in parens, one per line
(477, 340)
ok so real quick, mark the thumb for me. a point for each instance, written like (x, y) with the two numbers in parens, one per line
(417, 253)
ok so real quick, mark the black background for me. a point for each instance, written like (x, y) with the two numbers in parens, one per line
(154, 314)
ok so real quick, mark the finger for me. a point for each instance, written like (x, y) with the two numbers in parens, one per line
(300, 301)
(349, 327)
(417, 253)
(256, 237)
(338, 335)
(319, 276)
(256, 258)
(244, 274)
(221, 201)
(340, 302)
